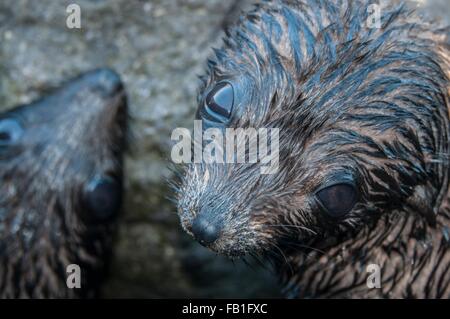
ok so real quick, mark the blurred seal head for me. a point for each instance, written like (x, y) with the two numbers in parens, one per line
(61, 161)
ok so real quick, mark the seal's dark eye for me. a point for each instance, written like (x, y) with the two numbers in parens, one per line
(103, 198)
(337, 199)
(10, 132)
(219, 103)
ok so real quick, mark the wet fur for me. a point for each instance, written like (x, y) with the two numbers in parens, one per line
(366, 104)
(69, 137)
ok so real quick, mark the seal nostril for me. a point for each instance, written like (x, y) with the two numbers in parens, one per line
(205, 231)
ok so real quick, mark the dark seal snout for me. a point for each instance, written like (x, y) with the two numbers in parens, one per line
(105, 80)
(205, 230)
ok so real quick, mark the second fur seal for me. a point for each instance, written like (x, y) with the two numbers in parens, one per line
(363, 178)
(61, 188)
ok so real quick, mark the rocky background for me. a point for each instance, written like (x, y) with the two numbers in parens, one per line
(159, 47)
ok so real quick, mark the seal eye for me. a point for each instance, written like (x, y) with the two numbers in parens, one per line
(219, 103)
(337, 199)
(103, 198)
(10, 131)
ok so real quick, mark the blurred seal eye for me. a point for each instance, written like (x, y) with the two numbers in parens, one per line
(337, 199)
(10, 132)
(219, 103)
(103, 197)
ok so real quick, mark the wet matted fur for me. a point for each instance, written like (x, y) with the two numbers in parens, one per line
(356, 103)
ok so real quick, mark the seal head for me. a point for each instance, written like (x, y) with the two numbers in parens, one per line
(61, 186)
